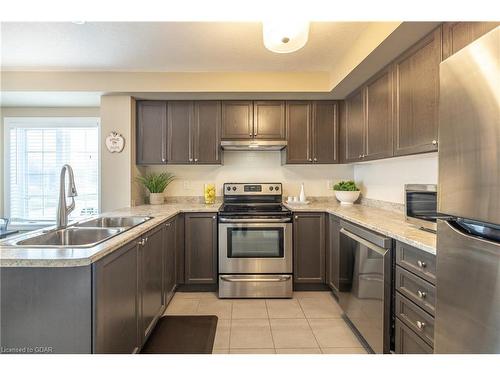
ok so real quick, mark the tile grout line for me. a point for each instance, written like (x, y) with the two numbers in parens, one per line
(270, 327)
(309, 324)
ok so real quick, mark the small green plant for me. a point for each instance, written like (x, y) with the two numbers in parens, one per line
(156, 183)
(346, 186)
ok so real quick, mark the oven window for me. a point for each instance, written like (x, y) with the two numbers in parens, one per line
(255, 243)
(421, 205)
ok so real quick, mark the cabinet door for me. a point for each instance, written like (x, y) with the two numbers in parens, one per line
(325, 132)
(378, 109)
(201, 248)
(269, 119)
(309, 248)
(207, 124)
(151, 136)
(116, 302)
(169, 245)
(179, 132)
(416, 89)
(333, 253)
(298, 132)
(179, 249)
(408, 342)
(456, 35)
(354, 127)
(237, 119)
(151, 276)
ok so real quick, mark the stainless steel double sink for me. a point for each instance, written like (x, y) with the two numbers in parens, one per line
(87, 233)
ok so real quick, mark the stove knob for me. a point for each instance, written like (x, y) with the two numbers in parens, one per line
(277, 188)
(228, 188)
(234, 188)
(271, 188)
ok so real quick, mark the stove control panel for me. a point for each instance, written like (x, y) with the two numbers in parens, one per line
(253, 189)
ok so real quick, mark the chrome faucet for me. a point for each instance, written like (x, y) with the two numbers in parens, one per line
(62, 210)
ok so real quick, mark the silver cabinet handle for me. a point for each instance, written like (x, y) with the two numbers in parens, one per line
(421, 264)
(250, 134)
(360, 156)
(296, 217)
(368, 244)
(420, 325)
(255, 133)
(251, 280)
(434, 142)
(271, 220)
(196, 159)
(421, 294)
(214, 217)
(310, 159)
(141, 242)
(315, 159)
(168, 224)
(190, 159)
(163, 159)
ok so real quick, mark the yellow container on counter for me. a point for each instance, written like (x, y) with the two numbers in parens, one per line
(209, 193)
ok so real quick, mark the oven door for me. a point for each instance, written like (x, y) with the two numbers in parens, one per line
(255, 246)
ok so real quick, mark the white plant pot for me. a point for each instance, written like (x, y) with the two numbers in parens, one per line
(347, 197)
(156, 198)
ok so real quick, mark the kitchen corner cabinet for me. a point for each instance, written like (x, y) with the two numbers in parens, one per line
(116, 301)
(151, 134)
(169, 251)
(457, 35)
(312, 132)
(333, 253)
(260, 119)
(367, 120)
(200, 248)
(193, 132)
(416, 91)
(309, 248)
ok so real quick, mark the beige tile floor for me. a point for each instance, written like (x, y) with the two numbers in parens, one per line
(309, 323)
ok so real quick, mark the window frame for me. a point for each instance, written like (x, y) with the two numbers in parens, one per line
(43, 122)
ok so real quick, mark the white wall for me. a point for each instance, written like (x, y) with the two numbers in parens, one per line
(261, 166)
(385, 179)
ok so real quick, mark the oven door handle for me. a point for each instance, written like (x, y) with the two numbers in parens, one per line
(227, 220)
(361, 240)
(247, 280)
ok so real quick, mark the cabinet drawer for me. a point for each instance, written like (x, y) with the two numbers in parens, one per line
(407, 342)
(415, 318)
(417, 261)
(416, 289)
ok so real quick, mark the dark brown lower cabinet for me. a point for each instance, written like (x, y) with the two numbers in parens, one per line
(151, 280)
(200, 248)
(179, 250)
(309, 248)
(116, 301)
(408, 342)
(169, 251)
(333, 253)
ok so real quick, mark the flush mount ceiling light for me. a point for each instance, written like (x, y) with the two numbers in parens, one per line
(285, 36)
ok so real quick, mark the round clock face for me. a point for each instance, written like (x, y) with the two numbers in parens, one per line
(115, 142)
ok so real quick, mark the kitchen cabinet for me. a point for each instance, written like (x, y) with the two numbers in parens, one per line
(269, 119)
(407, 342)
(457, 35)
(309, 248)
(237, 119)
(169, 250)
(151, 280)
(333, 253)
(151, 134)
(116, 301)
(416, 92)
(312, 132)
(179, 249)
(200, 248)
(193, 132)
(367, 120)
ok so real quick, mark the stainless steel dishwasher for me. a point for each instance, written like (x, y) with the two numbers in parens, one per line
(366, 282)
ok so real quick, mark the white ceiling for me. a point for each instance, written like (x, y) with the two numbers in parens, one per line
(168, 47)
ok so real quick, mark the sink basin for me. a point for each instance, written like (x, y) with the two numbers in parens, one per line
(71, 237)
(114, 222)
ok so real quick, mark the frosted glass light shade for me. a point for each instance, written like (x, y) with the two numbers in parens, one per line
(285, 36)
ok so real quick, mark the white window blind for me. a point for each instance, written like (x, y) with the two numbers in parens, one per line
(36, 149)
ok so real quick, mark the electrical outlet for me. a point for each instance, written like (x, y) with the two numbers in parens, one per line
(329, 184)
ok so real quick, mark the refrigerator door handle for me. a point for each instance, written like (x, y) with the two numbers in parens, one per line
(461, 230)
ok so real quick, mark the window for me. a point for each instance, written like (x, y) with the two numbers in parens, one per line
(35, 151)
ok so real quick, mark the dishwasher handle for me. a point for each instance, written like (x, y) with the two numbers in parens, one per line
(368, 244)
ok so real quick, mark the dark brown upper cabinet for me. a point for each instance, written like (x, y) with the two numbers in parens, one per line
(456, 35)
(309, 247)
(201, 248)
(151, 136)
(193, 132)
(416, 92)
(237, 119)
(367, 120)
(312, 131)
(269, 119)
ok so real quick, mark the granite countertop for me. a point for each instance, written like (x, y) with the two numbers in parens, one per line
(73, 257)
(389, 223)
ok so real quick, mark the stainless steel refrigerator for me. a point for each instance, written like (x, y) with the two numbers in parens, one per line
(468, 242)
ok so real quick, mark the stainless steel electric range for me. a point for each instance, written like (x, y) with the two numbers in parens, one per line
(255, 242)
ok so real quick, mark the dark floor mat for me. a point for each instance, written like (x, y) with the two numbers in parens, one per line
(182, 335)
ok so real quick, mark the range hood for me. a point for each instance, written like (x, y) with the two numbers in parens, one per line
(253, 145)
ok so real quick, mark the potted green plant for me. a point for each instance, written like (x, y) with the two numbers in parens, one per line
(156, 184)
(346, 192)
